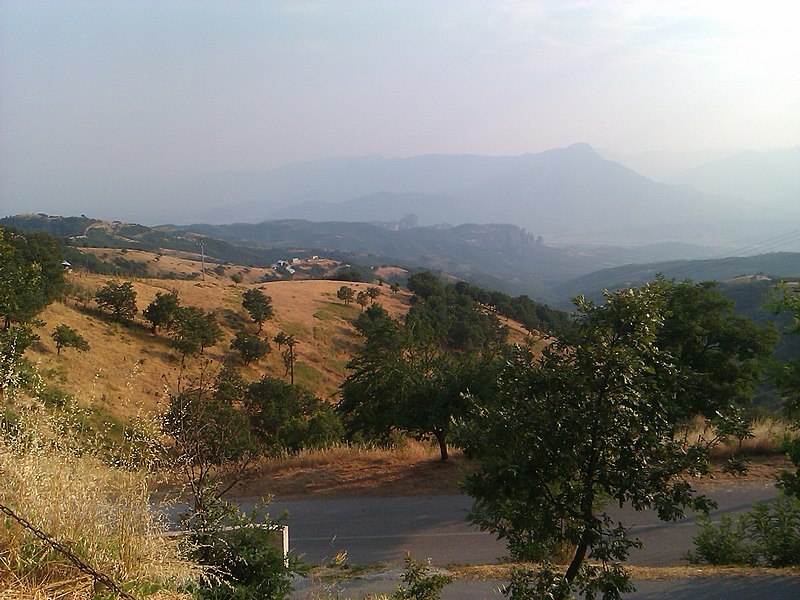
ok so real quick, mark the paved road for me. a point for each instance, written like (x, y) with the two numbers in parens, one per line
(376, 530)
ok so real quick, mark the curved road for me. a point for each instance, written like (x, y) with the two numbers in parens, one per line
(374, 530)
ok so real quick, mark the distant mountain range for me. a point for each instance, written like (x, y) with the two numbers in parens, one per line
(566, 195)
(770, 179)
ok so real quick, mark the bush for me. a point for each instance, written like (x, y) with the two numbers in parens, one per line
(421, 581)
(247, 563)
(767, 535)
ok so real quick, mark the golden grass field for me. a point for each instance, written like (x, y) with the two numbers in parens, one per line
(129, 370)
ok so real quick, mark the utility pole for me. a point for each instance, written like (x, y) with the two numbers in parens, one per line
(203, 257)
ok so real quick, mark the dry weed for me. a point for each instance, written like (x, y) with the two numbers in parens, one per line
(100, 513)
(768, 437)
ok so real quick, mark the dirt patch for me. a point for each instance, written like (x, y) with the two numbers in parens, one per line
(415, 470)
(344, 472)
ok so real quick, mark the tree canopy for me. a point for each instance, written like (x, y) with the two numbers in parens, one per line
(31, 274)
(161, 310)
(259, 305)
(287, 417)
(589, 423)
(193, 330)
(412, 376)
(119, 298)
(66, 337)
(251, 347)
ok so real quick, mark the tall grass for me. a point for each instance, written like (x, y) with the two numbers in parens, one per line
(769, 436)
(64, 487)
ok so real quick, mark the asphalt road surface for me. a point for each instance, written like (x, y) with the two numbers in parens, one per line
(381, 530)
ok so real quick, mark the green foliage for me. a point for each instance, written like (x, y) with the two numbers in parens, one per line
(213, 442)
(193, 329)
(289, 355)
(345, 294)
(119, 298)
(722, 354)
(788, 377)
(421, 582)
(259, 305)
(425, 285)
(767, 535)
(16, 372)
(288, 418)
(161, 310)
(248, 563)
(533, 315)
(451, 317)
(31, 275)
(250, 346)
(409, 377)
(579, 427)
(66, 337)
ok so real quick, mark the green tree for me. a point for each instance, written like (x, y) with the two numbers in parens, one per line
(289, 355)
(395, 287)
(66, 337)
(373, 292)
(345, 294)
(425, 284)
(362, 299)
(280, 338)
(251, 347)
(161, 310)
(212, 442)
(404, 378)
(788, 378)
(582, 426)
(287, 417)
(193, 330)
(119, 298)
(31, 275)
(722, 354)
(259, 305)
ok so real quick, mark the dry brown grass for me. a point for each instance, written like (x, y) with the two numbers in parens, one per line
(101, 513)
(768, 437)
(414, 468)
(128, 370)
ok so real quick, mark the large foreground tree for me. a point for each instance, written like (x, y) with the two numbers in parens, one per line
(581, 427)
(31, 275)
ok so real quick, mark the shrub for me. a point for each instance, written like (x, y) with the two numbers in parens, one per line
(421, 581)
(767, 535)
(247, 563)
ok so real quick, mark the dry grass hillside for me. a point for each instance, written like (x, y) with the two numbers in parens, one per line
(128, 370)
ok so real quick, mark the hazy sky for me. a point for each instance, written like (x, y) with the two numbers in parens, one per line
(111, 89)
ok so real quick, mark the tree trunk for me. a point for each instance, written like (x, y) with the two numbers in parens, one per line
(577, 560)
(442, 439)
